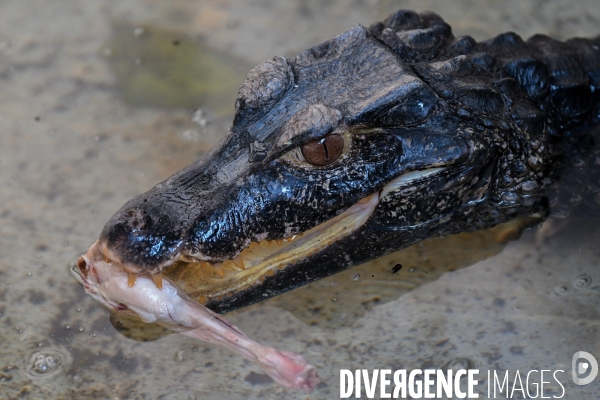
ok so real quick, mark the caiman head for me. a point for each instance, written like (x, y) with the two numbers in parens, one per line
(336, 156)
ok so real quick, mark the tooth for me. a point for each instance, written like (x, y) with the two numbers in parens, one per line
(279, 241)
(157, 278)
(206, 265)
(236, 263)
(186, 258)
(301, 234)
(239, 262)
(269, 241)
(131, 277)
(219, 269)
(289, 239)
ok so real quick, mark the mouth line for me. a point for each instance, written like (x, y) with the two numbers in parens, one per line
(206, 281)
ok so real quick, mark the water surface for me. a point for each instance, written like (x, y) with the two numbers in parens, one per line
(101, 100)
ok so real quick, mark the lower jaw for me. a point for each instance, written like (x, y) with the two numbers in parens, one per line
(206, 281)
(209, 283)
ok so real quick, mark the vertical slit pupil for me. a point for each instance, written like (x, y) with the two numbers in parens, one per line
(324, 143)
(324, 151)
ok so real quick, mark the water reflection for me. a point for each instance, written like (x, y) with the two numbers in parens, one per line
(155, 66)
(345, 297)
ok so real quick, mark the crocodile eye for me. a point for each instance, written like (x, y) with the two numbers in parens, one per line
(323, 151)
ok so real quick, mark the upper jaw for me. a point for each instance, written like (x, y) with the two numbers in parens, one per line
(208, 281)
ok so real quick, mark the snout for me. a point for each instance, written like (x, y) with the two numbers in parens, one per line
(141, 237)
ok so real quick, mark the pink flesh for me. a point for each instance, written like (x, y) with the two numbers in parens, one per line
(172, 309)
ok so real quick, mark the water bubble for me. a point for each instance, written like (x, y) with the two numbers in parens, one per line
(412, 269)
(356, 277)
(583, 281)
(43, 364)
(457, 363)
(80, 329)
(191, 135)
(200, 118)
(47, 362)
(562, 289)
(68, 327)
(138, 31)
(559, 291)
(179, 356)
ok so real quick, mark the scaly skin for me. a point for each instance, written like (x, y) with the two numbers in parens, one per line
(512, 123)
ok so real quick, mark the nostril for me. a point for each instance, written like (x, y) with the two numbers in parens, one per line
(81, 264)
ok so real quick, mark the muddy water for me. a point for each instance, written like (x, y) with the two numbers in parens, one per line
(101, 100)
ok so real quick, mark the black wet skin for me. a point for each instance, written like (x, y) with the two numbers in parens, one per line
(513, 122)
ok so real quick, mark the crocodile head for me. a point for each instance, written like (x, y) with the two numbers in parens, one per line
(336, 156)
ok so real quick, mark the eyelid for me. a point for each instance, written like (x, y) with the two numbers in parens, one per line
(338, 130)
(314, 120)
(304, 139)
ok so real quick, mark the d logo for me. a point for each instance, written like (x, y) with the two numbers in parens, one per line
(580, 367)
